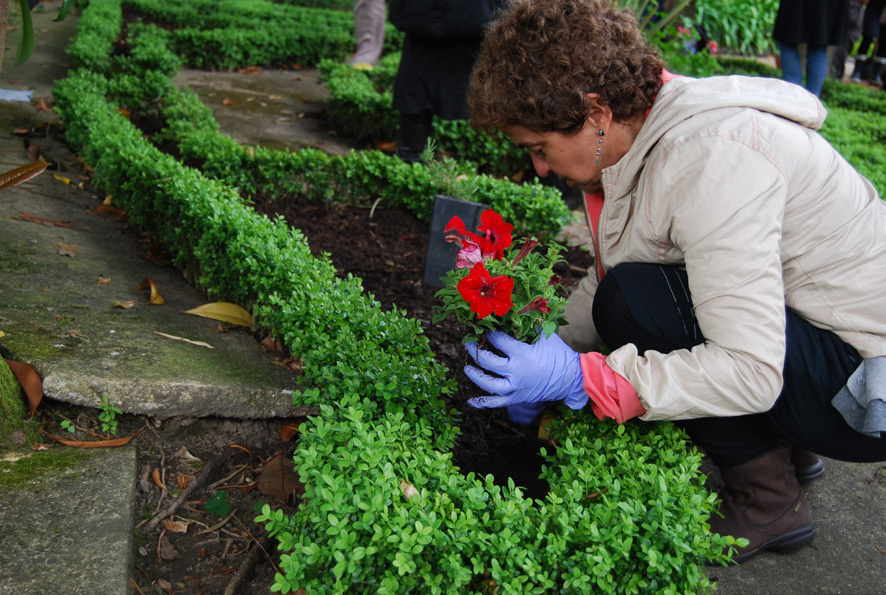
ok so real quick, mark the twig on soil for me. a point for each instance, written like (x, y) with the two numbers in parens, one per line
(260, 544)
(224, 479)
(245, 568)
(207, 470)
(135, 586)
(216, 526)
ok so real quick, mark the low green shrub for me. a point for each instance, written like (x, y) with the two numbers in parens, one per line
(360, 107)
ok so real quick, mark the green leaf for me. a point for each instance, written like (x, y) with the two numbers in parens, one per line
(63, 11)
(26, 43)
(218, 504)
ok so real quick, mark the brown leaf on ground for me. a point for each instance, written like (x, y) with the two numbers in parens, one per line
(156, 298)
(29, 379)
(166, 551)
(35, 219)
(176, 526)
(125, 112)
(22, 174)
(116, 213)
(387, 146)
(155, 475)
(125, 305)
(92, 444)
(41, 105)
(227, 102)
(102, 280)
(288, 430)
(156, 255)
(279, 480)
(67, 250)
(21, 131)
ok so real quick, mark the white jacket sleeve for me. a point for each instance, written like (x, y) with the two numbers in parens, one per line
(723, 214)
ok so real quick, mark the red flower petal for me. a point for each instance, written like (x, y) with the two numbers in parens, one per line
(485, 293)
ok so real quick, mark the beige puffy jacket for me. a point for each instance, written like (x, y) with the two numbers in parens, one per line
(729, 180)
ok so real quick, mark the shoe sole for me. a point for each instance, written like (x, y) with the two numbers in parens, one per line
(783, 544)
(810, 473)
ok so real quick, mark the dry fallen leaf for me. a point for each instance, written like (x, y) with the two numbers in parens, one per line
(41, 105)
(408, 489)
(116, 213)
(22, 174)
(156, 298)
(94, 443)
(176, 526)
(155, 475)
(279, 480)
(184, 455)
(29, 380)
(62, 179)
(227, 102)
(67, 250)
(125, 305)
(287, 431)
(35, 219)
(200, 343)
(224, 311)
(166, 552)
(102, 280)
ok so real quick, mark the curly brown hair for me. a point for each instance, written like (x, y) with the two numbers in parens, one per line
(541, 57)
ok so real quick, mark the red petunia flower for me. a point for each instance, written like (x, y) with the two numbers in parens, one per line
(498, 233)
(485, 293)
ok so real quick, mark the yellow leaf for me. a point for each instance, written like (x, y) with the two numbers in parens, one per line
(224, 311)
(125, 305)
(2, 334)
(546, 420)
(62, 179)
(156, 298)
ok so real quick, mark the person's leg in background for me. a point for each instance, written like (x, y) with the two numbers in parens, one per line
(816, 68)
(791, 66)
(415, 129)
(650, 306)
(369, 29)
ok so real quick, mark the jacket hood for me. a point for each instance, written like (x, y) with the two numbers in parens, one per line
(682, 98)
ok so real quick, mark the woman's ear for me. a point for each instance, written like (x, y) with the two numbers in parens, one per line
(599, 114)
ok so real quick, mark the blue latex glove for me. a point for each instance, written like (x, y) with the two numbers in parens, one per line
(525, 413)
(547, 370)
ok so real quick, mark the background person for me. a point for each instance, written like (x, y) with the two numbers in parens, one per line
(369, 29)
(817, 24)
(442, 38)
(738, 280)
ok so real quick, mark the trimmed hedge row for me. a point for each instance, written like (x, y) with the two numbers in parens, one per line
(385, 509)
(239, 33)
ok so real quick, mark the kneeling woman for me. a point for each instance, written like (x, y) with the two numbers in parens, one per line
(739, 277)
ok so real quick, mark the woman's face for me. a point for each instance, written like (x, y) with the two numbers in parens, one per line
(571, 156)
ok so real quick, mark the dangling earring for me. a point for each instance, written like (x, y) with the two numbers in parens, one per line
(600, 146)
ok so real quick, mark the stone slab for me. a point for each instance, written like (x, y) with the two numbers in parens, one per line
(71, 530)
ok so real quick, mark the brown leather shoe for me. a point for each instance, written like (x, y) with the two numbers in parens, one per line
(763, 503)
(808, 466)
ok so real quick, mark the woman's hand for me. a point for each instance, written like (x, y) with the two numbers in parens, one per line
(547, 370)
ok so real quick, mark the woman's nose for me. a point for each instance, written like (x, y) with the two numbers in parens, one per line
(541, 166)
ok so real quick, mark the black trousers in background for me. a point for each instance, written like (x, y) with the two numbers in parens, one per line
(650, 306)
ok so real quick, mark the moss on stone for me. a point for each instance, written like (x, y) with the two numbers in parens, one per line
(20, 467)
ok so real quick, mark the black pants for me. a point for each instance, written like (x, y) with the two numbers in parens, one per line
(650, 306)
